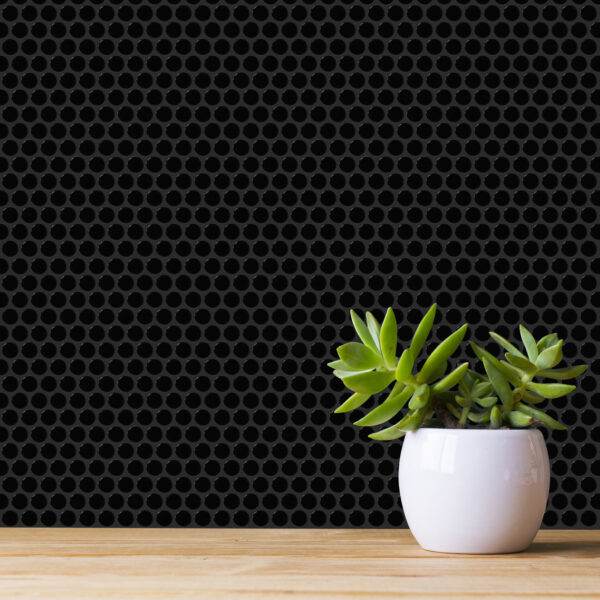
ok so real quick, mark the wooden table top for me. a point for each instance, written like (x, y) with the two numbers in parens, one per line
(252, 564)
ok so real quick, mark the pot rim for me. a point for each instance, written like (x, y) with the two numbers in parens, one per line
(470, 431)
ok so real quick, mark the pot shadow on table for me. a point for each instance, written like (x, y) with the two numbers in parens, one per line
(575, 548)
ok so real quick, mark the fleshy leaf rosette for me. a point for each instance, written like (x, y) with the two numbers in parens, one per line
(501, 395)
(514, 379)
(369, 367)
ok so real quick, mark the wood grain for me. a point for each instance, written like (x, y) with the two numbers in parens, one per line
(253, 564)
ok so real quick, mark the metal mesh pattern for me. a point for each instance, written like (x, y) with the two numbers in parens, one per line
(195, 194)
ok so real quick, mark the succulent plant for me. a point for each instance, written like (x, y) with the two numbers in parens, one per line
(501, 396)
(514, 382)
(369, 368)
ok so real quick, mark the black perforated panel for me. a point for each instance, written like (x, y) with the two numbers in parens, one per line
(195, 194)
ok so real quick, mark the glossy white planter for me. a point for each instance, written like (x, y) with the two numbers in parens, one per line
(474, 491)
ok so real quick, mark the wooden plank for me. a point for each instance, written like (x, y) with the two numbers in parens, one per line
(253, 564)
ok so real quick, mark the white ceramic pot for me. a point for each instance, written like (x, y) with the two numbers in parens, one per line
(474, 491)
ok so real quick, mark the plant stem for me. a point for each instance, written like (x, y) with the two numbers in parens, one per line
(464, 413)
(443, 414)
(517, 393)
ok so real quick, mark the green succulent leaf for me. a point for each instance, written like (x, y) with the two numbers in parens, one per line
(481, 354)
(420, 398)
(410, 422)
(549, 357)
(388, 339)
(504, 368)
(469, 378)
(363, 331)
(499, 384)
(532, 397)
(353, 402)
(540, 416)
(521, 363)
(388, 434)
(506, 344)
(422, 331)
(511, 373)
(529, 343)
(359, 357)
(374, 330)
(564, 373)
(481, 389)
(548, 340)
(392, 405)
(338, 365)
(371, 382)
(341, 374)
(405, 365)
(413, 420)
(451, 379)
(495, 418)
(517, 418)
(478, 376)
(464, 385)
(550, 390)
(486, 402)
(462, 401)
(439, 372)
(479, 417)
(441, 354)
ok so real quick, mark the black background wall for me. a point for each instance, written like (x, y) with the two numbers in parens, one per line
(195, 194)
